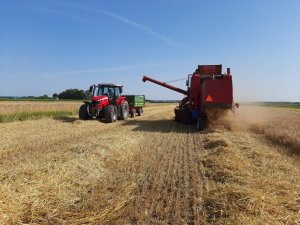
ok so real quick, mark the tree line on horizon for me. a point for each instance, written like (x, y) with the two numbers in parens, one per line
(72, 94)
(67, 94)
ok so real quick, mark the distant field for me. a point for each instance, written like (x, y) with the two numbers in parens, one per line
(279, 104)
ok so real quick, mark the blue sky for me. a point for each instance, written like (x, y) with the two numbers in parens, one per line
(49, 46)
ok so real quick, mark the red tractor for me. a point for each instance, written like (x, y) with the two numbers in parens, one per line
(208, 96)
(106, 102)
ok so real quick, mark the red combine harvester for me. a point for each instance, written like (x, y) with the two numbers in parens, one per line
(209, 95)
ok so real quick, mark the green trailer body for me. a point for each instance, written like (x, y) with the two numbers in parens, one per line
(136, 104)
(135, 100)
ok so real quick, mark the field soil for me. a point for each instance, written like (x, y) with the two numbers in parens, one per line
(152, 170)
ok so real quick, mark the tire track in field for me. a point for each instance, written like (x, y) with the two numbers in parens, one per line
(173, 184)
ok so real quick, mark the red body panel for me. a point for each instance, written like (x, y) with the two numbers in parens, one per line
(217, 93)
(209, 69)
(103, 101)
(121, 99)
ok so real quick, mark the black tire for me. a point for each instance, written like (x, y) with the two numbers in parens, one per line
(201, 123)
(187, 117)
(139, 111)
(83, 112)
(132, 113)
(124, 110)
(110, 113)
(177, 113)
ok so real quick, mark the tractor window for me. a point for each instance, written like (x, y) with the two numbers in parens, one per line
(117, 91)
(108, 90)
(102, 90)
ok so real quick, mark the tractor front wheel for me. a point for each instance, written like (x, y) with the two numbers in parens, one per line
(110, 113)
(83, 112)
(124, 110)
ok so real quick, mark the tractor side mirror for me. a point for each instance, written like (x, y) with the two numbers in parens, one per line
(91, 88)
(121, 90)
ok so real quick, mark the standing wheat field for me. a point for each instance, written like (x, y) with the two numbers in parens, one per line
(26, 110)
(151, 169)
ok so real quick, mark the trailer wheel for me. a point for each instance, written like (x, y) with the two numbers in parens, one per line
(132, 113)
(124, 110)
(201, 124)
(110, 113)
(83, 112)
(139, 111)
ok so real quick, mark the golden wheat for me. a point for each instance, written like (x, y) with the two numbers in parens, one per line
(11, 107)
(146, 170)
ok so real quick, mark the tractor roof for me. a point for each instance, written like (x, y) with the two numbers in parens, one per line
(110, 84)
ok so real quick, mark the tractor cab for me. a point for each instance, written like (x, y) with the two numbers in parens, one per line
(106, 102)
(110, 90)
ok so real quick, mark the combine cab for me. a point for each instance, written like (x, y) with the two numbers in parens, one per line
(106, 102)
(208, 96)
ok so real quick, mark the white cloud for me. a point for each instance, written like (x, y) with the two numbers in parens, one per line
(128, 22)
(59, 13)
(139, 26)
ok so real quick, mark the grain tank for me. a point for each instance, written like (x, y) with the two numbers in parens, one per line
(209, 94)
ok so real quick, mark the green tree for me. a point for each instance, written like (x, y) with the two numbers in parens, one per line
(55, 95)
(72, 94)
(43, 97)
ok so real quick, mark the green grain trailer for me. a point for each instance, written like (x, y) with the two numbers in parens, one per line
(136, 104)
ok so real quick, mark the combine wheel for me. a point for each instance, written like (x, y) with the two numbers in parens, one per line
(110, 113)
(139, 111)
(124, 110)
(177, 114)
(187, 117)
(201, 124)
(83, 112)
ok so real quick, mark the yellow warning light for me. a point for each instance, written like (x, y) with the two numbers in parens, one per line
(208, 99)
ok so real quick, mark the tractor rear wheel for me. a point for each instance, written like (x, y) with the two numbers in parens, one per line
(83, 112)
(124, 110)
(110, 113)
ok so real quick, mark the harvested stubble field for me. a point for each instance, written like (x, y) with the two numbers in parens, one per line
(152, 170)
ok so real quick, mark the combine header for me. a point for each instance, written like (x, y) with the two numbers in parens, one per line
(209, 95)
